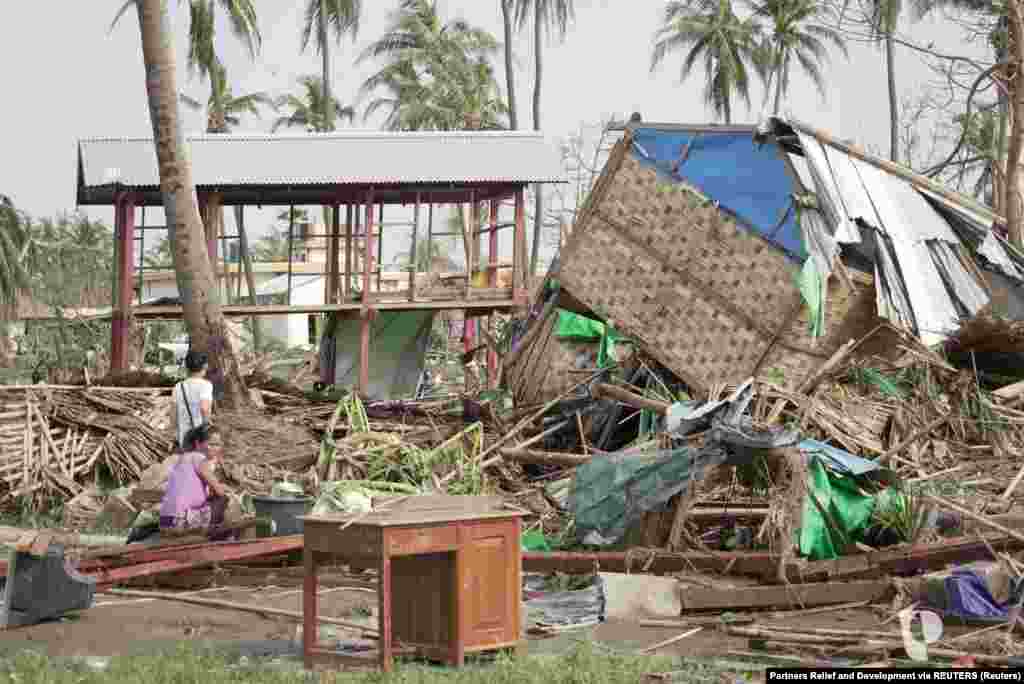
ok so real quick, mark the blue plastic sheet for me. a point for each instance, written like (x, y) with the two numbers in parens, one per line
(749, 180)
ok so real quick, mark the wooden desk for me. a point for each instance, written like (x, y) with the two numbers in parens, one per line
(449, 576)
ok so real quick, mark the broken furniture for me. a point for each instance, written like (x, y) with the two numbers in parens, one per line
(41, 585)
(449, 576)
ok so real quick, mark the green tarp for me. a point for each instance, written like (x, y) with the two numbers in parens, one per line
(572, 326)
(850, 510)
(610, 492)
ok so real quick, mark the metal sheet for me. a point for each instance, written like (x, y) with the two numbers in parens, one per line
(934, 312)
(968, 291)
(829, 197)
(904, 213)
(851, 189)
(994, 251)
(362, 157)
(983, 223)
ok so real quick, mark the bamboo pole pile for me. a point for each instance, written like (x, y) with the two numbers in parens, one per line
(53, 438)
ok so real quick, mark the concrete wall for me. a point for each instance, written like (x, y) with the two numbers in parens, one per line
(292, 330)
(169, 288)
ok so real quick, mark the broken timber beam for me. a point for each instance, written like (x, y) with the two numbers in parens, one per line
(143, 561)
(753, 564)
(802, 595)
(544, 457)
(603, 389)
(907, 561)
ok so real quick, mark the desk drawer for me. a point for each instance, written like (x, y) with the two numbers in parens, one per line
(408, 541)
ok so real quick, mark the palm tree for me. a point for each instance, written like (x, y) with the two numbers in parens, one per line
(507, 10)
(712, 32)
(548, 15)
(436, 76)
(14, 279)
(797, 30)
(885, 16)
(223, 109)
(321, 15)
(307, 111)
(201, 33)
(201, 307)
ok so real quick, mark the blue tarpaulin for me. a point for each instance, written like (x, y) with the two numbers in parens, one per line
(749, 180)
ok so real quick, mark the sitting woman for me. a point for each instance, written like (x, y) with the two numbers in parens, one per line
(195, 498)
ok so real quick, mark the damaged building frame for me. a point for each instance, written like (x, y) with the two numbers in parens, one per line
(355, 173)
(740, 251)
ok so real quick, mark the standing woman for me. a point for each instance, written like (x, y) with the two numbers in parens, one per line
(192, 399)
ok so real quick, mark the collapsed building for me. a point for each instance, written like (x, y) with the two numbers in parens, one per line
(735, 251)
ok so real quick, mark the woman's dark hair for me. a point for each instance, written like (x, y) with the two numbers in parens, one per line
(195, 361)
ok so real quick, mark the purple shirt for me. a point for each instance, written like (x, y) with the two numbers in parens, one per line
(185, 488)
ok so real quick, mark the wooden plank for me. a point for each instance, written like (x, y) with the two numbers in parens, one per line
(501, 304)
(543, 457)
(907, 561)
(626, 397)
(234, 605)
(754, 564)
(801, 595)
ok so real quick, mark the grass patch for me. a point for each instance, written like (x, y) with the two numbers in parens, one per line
(586, 664)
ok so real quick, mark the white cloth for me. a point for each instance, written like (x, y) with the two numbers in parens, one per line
(197, 390)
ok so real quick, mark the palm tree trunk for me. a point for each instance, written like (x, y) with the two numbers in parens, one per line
(201, 309)
(894, 115)
(250, 279)
(780, 81)
(510, 81)
(325, 56)
(538, 194)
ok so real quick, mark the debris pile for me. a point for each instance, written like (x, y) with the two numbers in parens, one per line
(55, 438)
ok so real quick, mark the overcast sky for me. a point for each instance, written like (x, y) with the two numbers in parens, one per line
(66, 77)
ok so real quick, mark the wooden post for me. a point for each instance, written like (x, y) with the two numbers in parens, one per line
(492, 281)
(519, 292)
(471, 236)
(347, 288)
(334, 267)
(120, 322)
(380, 242)
(414, 268)
(430, 235)
(291, 234)
(220, 223)
(364, 333)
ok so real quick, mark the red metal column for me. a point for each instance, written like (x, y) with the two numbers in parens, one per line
(519, 265)
(124, 218)
(492, 281)
(367, 312)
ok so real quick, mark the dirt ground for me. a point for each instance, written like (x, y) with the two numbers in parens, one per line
(118, 625)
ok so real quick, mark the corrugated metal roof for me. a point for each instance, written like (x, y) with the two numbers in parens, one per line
(362, 157)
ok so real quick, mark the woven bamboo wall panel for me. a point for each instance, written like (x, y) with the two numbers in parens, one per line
(704, 297)
(545, 369)
(691, 234)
